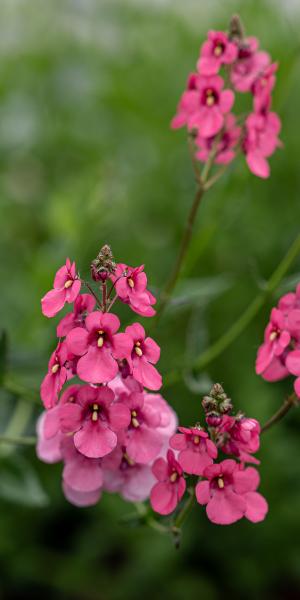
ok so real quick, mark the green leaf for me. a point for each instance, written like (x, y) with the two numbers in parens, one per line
(198, 292)
(20, 484)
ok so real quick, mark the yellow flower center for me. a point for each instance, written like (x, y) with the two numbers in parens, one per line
(221, 483)
(138, 349)
(218, 50)
(95, 412)
(68, 283)
(130, 282)
(55, 368)
(100, 341)
(174, 476)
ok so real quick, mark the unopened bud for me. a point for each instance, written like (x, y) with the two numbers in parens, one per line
(236, 29)
(216, 390)
(226, 406)
(103, 265)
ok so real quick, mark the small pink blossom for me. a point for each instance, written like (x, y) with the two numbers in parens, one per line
(133, 481)
(242, 437)
(66, 289)
(48, 450)
(215, 52)
(230, 493)
(249, 65)
(80, 473)
(94, 420)
(99, 346)
(52, 422)
(262, 88)
(144, 354)
(57, 375)
(203, 107)
(167, 493)
(196, 450)
(131, 288)
(276, 340)
(143, 441)
(293, 366)
(225, 149)
(261, 141)
(83, 305)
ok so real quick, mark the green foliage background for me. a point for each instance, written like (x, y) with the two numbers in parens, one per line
(87, 91)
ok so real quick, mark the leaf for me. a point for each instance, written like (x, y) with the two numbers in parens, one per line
(20, 484)
(198, 292)
(3, 355)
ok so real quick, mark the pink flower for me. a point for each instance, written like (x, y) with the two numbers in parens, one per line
(276, 340)
(80, 473)
(196, 450)
(293, 366)
(276, 370)
(52, 416)
(83, 305)
(167, 493)
(203, 107)
(225, 149)
(131, 480)
(48, 450)
(131, 288)
(249, 64)
(262, 88)
(143, 441)
(66, 289)
(261, 141)
(145, 353)
(57, 375)
(94, 420)
(215, 52)
(99, 347)
(242, 437)
(81, 499)
(230, 493)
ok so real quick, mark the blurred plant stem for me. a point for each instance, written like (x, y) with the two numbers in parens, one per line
(19, 390)
(18, 423)
(288, 403)
(18, 440)
(244, 320)
(203, 184)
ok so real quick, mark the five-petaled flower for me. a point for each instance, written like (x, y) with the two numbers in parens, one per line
(196, 450)
(131, 287)
(144, 354)
(167, 493)
(66, 288)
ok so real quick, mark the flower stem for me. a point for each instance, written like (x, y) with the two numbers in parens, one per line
(188, 231)
(288, 403)
(245, 319)
(92, 292)
(18, 440)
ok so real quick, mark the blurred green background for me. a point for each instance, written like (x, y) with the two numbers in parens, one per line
(87, 91)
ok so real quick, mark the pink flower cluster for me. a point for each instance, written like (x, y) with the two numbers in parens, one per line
(206, 104)
(228, 488)
(108, 426)
(279, 355)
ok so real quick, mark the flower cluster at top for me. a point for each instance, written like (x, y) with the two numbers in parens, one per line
(227, 487)
(108, 426)
(279, 355)
(206, 105)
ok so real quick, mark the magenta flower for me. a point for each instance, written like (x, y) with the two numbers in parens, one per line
(83, 305)
(225, 149)
(52, 416)
(81, 499)
(144, 354)
(99, 347)
(131, 480)
(293, 366)
(215, 52)
(80, 473)
(242, 437)
(66, 289)
(249, 65)
(57, 375)
(262, 88)
(261, 141)
(203, 107)
(276, 340)
(196, 450)
(131, 288)
(230, 493)
(167, 493)
(143, 440)
(94, 420)
(48, 449)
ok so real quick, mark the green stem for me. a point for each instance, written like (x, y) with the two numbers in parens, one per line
(21, 391)
(185, 510)
(18, 440)
(288, 403)
(245, 319)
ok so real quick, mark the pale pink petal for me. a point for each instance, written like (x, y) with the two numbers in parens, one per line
(81, 498)
(83, 474)
(202, 491)
(257, 507)
(53, 302)
(144, 445)
(49, 451)
(258, 164)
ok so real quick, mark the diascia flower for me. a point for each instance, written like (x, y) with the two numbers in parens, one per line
(131, 287)
(225, 151)
(99, 346)
(250, 63)
(229, 493)
(196, 450)
(94, 419)
(57, 375)
(83, 305)
(261, 141)
(204, 105)
(144, 354)
(171, 485)
(66, 289)
(218, 50)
